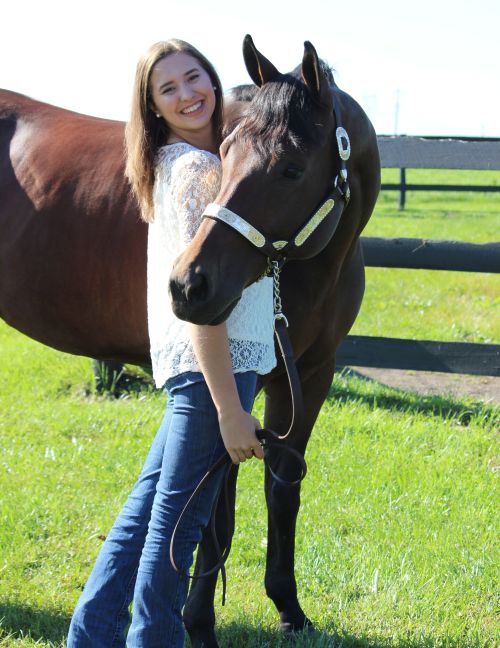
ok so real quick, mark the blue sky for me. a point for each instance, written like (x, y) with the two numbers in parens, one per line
(437, 61)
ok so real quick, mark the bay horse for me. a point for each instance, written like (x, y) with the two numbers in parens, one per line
(73, 258)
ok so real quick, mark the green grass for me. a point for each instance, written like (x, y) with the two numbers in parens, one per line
(397, 539)
(397, 536)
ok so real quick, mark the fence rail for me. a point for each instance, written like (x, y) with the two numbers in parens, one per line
(429, 355)
(465, 153)
(427, 254)
(420, 355)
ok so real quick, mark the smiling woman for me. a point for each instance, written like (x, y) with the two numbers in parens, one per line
(183, 94)
(172, 76)
(210, 371)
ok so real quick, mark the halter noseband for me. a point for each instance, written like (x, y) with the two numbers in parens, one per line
(334, 204)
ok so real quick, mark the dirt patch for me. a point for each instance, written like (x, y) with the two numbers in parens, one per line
(483, 388)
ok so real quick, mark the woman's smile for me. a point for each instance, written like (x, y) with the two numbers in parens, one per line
(194, 109)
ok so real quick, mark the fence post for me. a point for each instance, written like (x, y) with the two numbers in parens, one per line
(402, 190)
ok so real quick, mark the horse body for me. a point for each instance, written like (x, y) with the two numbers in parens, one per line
(72, 247)
(73, 265)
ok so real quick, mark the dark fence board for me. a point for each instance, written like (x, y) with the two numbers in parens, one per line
(431, 254)
(420, 355)
(435, 187)
(429, 153)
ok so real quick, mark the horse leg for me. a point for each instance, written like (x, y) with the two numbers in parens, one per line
(283, 501)
(199, 613)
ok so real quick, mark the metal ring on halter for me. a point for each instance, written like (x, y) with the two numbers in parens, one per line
(281, 316)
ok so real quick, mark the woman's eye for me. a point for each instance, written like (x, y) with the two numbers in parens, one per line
(194, 77)
(293, 173)
(168, 90)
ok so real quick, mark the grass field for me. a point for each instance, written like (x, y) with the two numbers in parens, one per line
(428, 304)
(397, 541)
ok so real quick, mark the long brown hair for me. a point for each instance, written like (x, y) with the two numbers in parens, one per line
(145, 133)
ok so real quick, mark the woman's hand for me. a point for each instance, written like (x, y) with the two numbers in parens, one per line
(237, 429)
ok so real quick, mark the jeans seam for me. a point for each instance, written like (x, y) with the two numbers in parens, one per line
(123, 608)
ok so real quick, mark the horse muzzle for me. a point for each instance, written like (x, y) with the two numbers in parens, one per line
(192, 294)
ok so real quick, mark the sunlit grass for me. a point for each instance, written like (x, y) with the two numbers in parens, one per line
(397, 539)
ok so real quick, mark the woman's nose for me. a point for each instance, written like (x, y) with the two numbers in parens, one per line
(186, 91)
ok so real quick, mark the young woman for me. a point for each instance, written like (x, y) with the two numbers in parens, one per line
(209, 371)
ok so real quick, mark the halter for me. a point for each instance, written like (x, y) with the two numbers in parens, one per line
(331, 206)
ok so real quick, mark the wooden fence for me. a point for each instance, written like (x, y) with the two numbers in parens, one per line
(467, 153)
(429, 355)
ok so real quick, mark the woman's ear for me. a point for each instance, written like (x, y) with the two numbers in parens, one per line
(155, 110)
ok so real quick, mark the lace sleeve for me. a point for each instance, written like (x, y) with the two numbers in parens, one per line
(196, 178)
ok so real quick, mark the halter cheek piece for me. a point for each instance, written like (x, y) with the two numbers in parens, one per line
(331, 206)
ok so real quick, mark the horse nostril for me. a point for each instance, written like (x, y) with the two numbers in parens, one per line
(196, 288)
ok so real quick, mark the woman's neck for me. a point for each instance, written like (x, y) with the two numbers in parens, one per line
(205, 141)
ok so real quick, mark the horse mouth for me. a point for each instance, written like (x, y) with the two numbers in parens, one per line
(225, 313)
(201, 318)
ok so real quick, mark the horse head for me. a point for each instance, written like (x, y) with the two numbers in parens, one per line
(278, 165)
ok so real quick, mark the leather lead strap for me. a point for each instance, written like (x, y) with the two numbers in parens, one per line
(268, 439)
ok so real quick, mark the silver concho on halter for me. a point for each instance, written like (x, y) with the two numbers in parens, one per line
(344, 149)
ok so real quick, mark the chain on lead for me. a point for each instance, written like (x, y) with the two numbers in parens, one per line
(278, 312)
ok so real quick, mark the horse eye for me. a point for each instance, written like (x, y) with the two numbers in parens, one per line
(294, 173)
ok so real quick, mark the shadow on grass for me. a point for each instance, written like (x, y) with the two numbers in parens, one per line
(237, 635)
(48, 626)
(118, 380)
(352, 386)
(19, 621)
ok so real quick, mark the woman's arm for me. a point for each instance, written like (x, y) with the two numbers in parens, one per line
(211, 347)
(195, 182)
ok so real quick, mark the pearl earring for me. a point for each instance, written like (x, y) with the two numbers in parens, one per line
(158, 115)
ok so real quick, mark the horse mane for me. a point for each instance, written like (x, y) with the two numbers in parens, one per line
(243, 92)
(282, 113)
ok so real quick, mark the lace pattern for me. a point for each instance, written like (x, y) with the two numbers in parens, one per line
(187, 179)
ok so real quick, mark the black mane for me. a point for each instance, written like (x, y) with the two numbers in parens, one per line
(243, 92)
(282, 113)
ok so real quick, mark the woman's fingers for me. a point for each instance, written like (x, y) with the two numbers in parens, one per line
(258, 451)
(238, 433)
(242, 454)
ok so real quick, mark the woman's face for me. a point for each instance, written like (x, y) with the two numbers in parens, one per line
(183, 94)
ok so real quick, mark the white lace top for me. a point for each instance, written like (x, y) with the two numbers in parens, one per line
(187, 179)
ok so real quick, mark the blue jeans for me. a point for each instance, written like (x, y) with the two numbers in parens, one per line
(134, 562)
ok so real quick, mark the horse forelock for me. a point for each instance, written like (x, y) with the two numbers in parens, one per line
(282, 114)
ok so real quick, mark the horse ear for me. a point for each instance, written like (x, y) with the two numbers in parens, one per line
(314, 77)
(260, 69)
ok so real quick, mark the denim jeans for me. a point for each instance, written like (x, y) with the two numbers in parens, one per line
(134, 564)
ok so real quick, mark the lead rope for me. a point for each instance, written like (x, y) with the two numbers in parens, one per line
(267, 439)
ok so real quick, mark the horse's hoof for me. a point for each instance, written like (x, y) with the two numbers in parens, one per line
(202, 638)
(289, 627)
